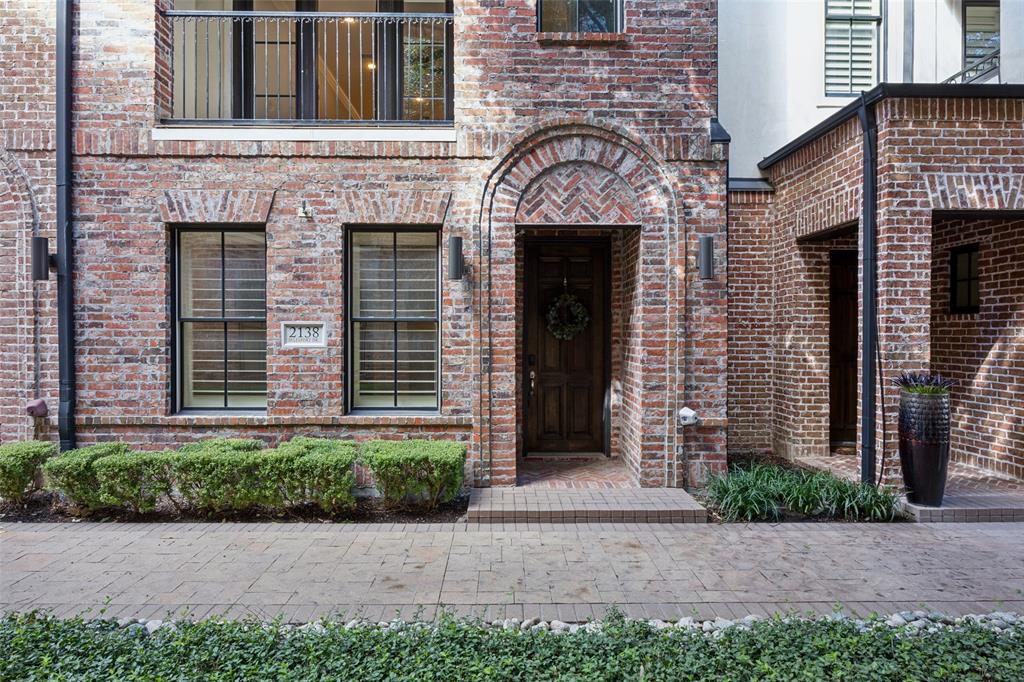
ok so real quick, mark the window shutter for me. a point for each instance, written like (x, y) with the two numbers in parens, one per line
(851, 46)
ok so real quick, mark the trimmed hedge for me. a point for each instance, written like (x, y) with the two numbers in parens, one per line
(73, 473)
(321, 472)
(419, 471)
(229, 475)
(45, 648)
(217, 475)
(137, 480)
(18, 464)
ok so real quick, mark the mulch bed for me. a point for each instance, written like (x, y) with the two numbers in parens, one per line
(45, 507)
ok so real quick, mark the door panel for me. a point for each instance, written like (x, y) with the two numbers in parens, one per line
(564, 405)
(843, 347)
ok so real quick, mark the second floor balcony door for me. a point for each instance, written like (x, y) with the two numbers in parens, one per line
(345, 61)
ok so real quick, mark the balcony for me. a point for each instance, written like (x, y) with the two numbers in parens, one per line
(310, 68)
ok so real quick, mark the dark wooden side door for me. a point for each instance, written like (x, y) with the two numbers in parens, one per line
(565, 381)
(843, 347)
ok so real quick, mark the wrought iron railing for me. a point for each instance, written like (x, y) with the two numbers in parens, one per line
(311, 67)
(980, 69)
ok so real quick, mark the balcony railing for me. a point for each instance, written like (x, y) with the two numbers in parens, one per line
(981, 69)
(311, 67)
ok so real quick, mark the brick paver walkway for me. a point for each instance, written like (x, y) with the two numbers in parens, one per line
(302, 571)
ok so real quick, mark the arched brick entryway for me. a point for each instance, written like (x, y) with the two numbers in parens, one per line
(17, 311)
(582, 175)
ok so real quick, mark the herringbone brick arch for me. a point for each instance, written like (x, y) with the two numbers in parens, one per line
(578, 193)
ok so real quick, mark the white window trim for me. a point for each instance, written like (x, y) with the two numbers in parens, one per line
(301, 134)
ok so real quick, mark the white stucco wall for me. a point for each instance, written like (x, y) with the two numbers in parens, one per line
(771, 64)
(1011, 37)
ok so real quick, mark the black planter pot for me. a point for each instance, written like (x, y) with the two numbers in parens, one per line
(924, 446)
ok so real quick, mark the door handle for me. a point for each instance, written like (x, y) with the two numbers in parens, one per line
(533, 381)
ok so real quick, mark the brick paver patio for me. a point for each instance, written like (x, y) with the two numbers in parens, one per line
(573, 473)
(569, 572)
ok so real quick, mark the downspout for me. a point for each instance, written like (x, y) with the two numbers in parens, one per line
(869, 303)
(65, 235)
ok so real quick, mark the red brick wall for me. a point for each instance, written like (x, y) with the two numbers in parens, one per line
(27, 367)
(751, 322)
(637, 109)
(983, 351)
(934, 155)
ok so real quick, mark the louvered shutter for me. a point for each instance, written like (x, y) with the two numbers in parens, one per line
(851, 46)
(394, 320)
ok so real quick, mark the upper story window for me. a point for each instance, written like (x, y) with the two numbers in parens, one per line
(580, 16)
(221, 319)
(341, 61)
(981, 37)
(851, 46)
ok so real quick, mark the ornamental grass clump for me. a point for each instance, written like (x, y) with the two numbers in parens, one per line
(73, 474)
(924, 384)
(421, 472)
(18, 465)
(763, 492)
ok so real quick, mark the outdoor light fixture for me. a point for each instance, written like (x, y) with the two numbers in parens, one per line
(456, 264)
(706, 257)
(41, 259)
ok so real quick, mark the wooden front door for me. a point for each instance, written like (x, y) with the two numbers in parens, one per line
(843, 347)
(565, 381)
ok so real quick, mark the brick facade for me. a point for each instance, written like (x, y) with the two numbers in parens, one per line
(543, 127)
(983, 351)
(935, 155)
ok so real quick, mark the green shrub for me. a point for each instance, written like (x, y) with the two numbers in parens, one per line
(760, 493)
(319, 471)
(39, 647)
(136, 480)
(222, 445)
(747, 494)
(18, 464)
(223, 478)
(424, 471)
(73, 473)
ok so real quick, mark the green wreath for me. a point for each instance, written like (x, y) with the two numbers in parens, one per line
(567, 317)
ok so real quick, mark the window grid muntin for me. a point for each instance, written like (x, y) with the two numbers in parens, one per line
(395, 320)
(971, 280)
(180, 362)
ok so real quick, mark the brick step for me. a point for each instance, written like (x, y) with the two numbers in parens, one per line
(636, 505)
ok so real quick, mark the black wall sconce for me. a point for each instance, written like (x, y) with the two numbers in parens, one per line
(456, 263)
(706, 257)
(42, 260)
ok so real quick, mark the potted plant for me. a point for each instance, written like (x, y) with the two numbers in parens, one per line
(924, 436)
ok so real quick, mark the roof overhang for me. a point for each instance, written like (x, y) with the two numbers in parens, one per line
(886, 90)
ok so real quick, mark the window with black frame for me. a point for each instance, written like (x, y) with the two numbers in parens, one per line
(579, 16)
(964, 280)
(393, 286)
(981, 36)
(221, 319)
